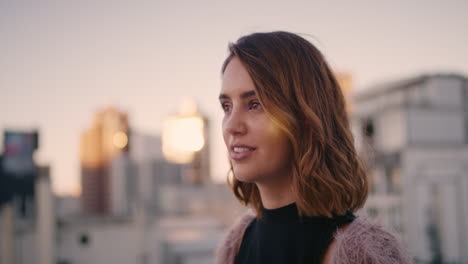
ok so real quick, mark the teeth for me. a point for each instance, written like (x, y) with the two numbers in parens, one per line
(236, 149)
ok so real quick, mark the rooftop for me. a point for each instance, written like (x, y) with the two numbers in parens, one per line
(391, 86)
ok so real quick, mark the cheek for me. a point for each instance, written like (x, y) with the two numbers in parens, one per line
(273, 131)
(225, 134)
(278, 141)
(274, 134)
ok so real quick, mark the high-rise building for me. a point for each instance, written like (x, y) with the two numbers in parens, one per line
(19, 170)
(414, 137)
(107, 137)
(345, 81)
(185, 140)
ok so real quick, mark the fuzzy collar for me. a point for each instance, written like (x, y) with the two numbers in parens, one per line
(363, 241)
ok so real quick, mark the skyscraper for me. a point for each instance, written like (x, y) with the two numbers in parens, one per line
(345, 81)
(107, 137)
(185, 140)
(414, 138)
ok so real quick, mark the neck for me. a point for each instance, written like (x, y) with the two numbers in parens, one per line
(276, 194)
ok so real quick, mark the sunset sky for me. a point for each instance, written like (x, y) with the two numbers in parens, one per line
(61, 61)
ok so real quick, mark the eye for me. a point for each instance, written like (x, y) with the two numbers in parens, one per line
(255, 105)
(225, 107)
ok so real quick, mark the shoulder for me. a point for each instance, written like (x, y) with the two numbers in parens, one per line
(366, 241)
(228, 247)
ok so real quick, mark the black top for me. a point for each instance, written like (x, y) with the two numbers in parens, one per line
(281, 237)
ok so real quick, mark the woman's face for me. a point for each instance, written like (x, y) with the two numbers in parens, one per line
(258, 151)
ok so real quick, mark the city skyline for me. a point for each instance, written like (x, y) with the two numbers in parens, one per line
(64, 61)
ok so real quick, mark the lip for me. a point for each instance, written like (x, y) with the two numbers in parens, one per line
(238, 156)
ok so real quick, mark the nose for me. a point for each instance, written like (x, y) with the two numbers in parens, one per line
(234, 122)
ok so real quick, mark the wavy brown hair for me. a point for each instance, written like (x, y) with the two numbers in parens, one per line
(300, 93)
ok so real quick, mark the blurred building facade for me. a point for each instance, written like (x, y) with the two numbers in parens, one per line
(185, 140)
(153, 211)
(18, 170)
(107, 138)
(120, 168)
(345, 80)
(413, 135)
(160, 210)
(26, 204)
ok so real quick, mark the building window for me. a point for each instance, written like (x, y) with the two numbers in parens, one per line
(368, 128)
(375, 180)
(395, 218)
(394, 180)
(368, 149)
(465, 103)
(84, 240)
(372, 212)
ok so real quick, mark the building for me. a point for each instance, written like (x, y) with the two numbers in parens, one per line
(116, 176)
(185, 140)
(139, 175)
(34, 234)
(413, 135)
(18, 177)
(345, 80)
(139, 206)
(107, 138)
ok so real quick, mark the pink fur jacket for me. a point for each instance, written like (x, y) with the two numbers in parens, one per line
(363, 241)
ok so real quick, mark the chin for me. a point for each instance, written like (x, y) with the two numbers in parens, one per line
(244, 175)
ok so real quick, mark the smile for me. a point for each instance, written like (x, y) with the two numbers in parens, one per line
(240, 153)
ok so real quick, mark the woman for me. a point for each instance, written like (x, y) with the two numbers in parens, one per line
(293, 160)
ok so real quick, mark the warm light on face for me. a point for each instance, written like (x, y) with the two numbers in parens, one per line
(251, 126)
(120, 140)
(182, 137)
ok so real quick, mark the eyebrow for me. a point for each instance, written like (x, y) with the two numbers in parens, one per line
(242, 96)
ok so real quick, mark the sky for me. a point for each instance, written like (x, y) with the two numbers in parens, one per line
(61, 61)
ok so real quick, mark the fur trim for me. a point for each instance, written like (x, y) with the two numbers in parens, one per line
(363, 241)
(368, 242)
(228, 248)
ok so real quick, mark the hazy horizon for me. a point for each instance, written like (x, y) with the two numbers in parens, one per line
(61, 61)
